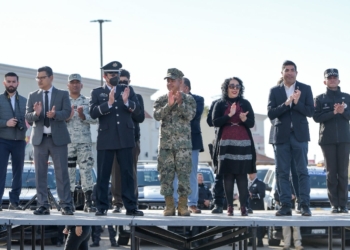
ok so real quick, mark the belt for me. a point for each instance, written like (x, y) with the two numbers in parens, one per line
(47, 135)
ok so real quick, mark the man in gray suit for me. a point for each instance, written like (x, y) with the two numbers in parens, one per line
(47, 110)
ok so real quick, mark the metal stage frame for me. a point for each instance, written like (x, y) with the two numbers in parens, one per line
(151, 226)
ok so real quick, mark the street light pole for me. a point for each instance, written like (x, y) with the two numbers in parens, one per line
(101, 52)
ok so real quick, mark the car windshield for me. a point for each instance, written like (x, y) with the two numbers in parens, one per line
(261, 174)
(318, 181)
(147, 177)
(28, 179)
(207, 175)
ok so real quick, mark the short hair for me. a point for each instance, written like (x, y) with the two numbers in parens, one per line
(224, 87)
(200, 174)
(125, 73)
(187, 83)
(12, 74)
(47, 69)
(288, 62)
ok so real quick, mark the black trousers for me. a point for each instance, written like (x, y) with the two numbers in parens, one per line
(75, 242)
(336, 158)
(104, 168)
(218, 190)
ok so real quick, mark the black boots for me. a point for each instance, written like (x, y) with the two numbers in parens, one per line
(88, 203)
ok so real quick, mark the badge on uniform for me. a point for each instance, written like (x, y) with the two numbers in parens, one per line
(325, 106)
(103, 95)
(254, 185)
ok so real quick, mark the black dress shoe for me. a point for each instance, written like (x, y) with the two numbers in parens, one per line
(250, 211)
(217, 209)
(134, 212)
(95, 244)
(343, 210)
(101, 212)
(66, 211)
(114, 244)
(305, 211)
(42, 211)
(15, 207)
(334, 210)
(284, 211)
(117, 209)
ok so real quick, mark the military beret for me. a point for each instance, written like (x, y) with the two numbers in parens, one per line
(174, 74)
(114, 66)
(331, 72)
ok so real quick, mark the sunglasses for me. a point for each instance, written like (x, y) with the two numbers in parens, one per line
(124, 82)
(234, 86)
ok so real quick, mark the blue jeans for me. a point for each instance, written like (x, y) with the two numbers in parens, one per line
(15, 148)
(285, 153)
(193, 197)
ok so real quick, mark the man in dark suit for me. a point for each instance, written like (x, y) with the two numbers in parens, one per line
(113, 104)
(47, 110)
(218, 188)
(197, 147)
(117, 201)
(289, 104)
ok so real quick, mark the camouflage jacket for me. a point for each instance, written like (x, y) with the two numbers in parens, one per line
(79, 130)
(175, 129)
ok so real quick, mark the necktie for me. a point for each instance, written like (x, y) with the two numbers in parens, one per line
(46, 119)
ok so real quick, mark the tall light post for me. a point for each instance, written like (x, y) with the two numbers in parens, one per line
(101, 53)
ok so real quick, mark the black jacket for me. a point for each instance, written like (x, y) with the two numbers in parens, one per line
(203, 194)
(196, 133)
(219, 120)
(333, 128)
(116, 127)
(138, 118)
(257, 189)
(283, 116)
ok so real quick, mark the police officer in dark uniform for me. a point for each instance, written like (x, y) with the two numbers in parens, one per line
(113, 104)
(333, 113)
(256, 189)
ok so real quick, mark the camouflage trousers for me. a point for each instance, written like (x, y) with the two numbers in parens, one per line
(171, 161)
(81, 154)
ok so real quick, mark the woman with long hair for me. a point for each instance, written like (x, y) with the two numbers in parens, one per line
(234, 146)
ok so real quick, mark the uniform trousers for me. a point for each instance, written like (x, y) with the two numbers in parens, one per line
(81, 154)
(171, 161)
(218, 190)
(104, 168)
(336, 158)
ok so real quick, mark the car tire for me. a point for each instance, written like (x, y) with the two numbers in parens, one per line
(271, 241)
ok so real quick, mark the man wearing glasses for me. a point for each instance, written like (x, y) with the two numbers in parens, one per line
(79, 151)
(47, 111)
(113, 104)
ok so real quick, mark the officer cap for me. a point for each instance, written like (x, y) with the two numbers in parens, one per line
(114, 66)
(73, 77)
(331, 72)
(174, 74)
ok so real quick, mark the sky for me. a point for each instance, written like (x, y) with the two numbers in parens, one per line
(208, 41)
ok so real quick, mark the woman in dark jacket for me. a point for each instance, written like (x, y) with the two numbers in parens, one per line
(234, 145)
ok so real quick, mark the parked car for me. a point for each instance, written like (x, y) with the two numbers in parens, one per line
(318, 201)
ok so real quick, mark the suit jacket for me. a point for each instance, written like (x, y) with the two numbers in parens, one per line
(257, 189)
(116, 127)
(283, 116)
(59, 99)
(196, 133)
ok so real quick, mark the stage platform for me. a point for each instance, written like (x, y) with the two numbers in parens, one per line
(151, 225)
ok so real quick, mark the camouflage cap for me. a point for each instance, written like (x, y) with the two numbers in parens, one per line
(174, 73)
(73, 77)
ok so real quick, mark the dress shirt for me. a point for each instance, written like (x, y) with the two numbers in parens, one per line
(13, 102)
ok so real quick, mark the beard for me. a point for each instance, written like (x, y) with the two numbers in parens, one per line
(11, 89)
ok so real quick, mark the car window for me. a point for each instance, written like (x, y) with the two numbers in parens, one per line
(28, 179)
(207, 175)
(267, 177)
(147, 177)
(272, 177)
(318, 181)
(261, 174)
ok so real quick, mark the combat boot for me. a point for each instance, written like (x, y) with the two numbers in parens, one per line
(169, 206)
(88, 203)
(182, 207)
(73, 201)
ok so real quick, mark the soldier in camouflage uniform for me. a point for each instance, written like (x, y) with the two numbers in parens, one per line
(79, 151)
(175, 110)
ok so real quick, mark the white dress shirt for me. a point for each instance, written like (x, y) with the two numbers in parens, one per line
(13, 102)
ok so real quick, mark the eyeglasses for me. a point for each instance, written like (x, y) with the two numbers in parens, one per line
(234, 86)
(124, 82)
(38, 78)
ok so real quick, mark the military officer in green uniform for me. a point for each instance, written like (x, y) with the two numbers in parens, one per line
(175, 110)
